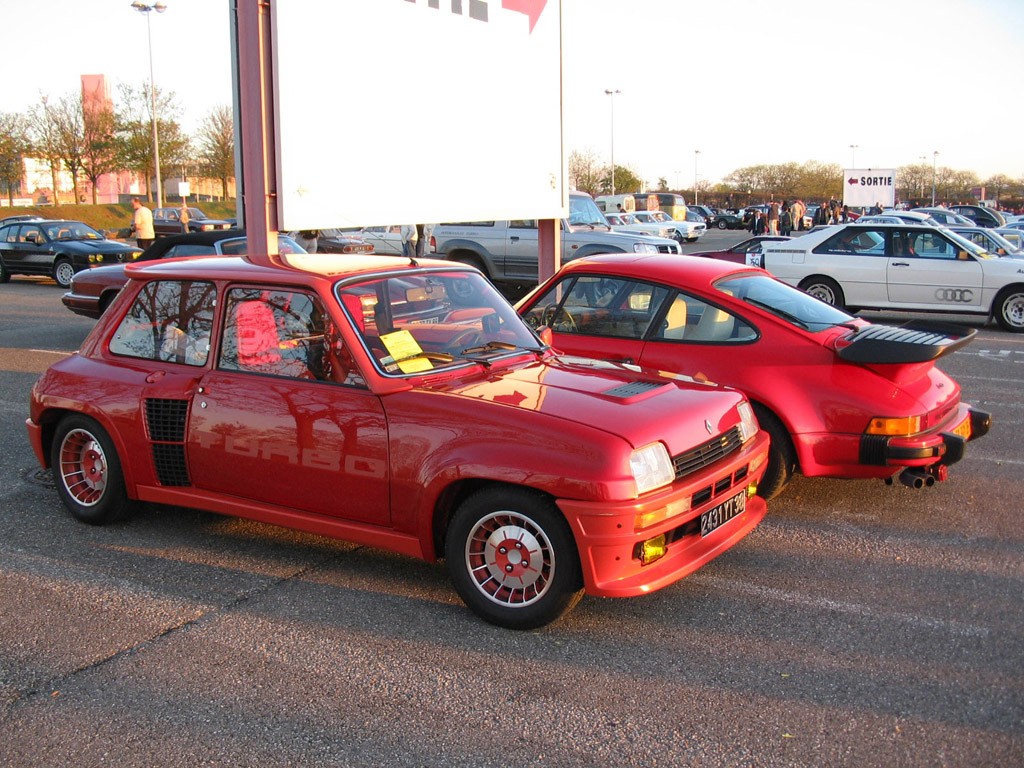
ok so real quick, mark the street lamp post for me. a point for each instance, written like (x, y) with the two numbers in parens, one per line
(935, 156)
(853, 155)
(612, 95)
(159, 7)
(696, 154)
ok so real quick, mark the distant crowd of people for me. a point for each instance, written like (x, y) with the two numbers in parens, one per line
(784, 218)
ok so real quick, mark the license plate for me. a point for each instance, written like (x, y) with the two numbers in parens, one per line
(963, 429)
(723, 513)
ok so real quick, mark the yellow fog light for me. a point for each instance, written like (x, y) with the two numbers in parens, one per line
(751, 490)
(902, 426)
(653, 549)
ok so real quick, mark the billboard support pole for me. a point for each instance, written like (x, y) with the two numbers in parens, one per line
(255, 128)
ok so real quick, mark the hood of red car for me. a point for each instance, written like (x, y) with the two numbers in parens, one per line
(613, 397)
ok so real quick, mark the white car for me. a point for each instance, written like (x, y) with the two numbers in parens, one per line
(906, 267)
(690, 231)
(990, 239)
(627, 222)
(899, 217)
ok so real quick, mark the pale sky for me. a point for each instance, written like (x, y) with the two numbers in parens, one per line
(744, 82)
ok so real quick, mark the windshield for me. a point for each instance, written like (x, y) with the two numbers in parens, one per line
(967, 245)
(784, 301)
(417, 322)
(71, 230)
(195, 213)
(583, 211)
(238, 246)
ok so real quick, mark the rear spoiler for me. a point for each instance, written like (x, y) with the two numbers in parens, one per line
(913, 342)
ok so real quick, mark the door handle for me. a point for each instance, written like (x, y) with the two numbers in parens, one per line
(901, 263)
(514, 238)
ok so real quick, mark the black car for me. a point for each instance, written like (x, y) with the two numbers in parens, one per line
(92, 291)
(980, 215)
(167, 221)
(57, 249)
(728, 220)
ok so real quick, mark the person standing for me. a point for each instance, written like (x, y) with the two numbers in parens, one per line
(773, 218)
(409, 240)
(307, 238)
(423, 234)
(184, 217)
(142, 224)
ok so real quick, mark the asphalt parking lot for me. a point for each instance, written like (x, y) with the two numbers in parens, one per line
(859, 625)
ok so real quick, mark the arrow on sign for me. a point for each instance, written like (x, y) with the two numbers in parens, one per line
(851, 180)
(532, 8)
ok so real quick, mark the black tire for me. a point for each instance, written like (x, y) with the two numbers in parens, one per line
(824, 289)
(781, 455)
(1008, 309)
(462, 257)
(63, 272)
(722, 224)
(512, 558)
(5, 276)
(87, 472)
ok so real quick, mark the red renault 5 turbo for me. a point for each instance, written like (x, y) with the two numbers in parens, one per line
(405, 406)
(839, 396)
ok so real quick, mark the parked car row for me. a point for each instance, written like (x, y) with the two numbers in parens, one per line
(624, 424)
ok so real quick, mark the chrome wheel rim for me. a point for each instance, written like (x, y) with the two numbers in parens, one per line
(83, 467)
(510, 559)
(822, 292)
(65, 272)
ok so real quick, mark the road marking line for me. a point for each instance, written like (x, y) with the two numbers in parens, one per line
(837, 606)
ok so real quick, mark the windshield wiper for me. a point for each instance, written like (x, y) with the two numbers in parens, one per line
(472, 353)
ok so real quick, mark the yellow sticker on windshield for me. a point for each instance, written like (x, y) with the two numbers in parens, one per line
(406, 352)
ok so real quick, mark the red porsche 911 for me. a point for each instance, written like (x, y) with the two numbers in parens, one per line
(840, 397)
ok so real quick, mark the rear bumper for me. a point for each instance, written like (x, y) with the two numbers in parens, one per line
(945, 446)
(607, 539)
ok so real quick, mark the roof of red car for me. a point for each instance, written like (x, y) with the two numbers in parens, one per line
(296, 267)
(662, 267)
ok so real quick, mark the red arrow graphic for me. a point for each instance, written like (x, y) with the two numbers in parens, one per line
(532, 8)
(851, 180)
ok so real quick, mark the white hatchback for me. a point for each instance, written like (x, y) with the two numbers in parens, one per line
(904, 267)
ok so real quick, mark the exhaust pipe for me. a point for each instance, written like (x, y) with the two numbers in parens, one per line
(915, 478)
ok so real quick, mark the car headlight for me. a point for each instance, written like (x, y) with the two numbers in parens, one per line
(748, 422)
(651, 467)
(644, 248)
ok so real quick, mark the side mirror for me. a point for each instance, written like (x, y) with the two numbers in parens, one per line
(32, 237)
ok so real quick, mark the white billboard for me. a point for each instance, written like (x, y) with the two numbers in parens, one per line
(414, 111)
(867, 186)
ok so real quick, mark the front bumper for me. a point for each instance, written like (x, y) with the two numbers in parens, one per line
(607, 539)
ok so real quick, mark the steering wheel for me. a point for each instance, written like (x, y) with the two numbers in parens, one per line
(463, 340)
(551, 312)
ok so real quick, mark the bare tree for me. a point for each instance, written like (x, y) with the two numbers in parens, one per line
(66, 117)
(15, 143)
(134, 132)
(99, 151)
(585, 171)
(216, 146)
(46, 140)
